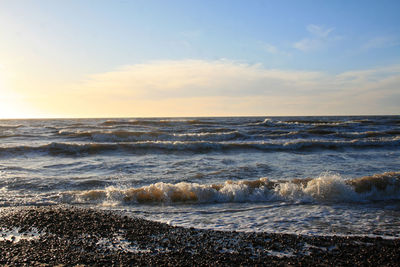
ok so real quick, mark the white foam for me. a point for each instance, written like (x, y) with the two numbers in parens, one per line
(281, 254)
(326, 188)
(15, 234)
(118, 243)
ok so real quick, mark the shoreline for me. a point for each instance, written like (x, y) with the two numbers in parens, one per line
(68, 235)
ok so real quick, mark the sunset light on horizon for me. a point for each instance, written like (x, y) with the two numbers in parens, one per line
(81, 59)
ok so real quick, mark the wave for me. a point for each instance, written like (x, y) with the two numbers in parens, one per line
(59, 149)
(321, 131)
(188, 121)
(131, 136)
(344, 122)
(16, 135)
(131, 122)
(316, 131)
(9, 126)
(154, 122)
(195, 146)
(385, 133)
(313, 122)
(326, 188)
(289, 123)
(112, 136)
(266, 121)
(218, 134)
(394, 121)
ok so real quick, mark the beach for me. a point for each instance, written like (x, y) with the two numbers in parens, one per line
(199, 133)
(64, 235)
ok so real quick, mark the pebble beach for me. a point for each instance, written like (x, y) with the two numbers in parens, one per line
(67, 236)
(199, 133)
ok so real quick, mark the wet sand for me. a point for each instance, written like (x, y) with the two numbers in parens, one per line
(64, 235)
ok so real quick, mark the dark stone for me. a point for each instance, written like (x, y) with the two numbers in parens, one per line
(73, 236)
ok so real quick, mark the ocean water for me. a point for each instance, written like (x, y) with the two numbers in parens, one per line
(304, 175)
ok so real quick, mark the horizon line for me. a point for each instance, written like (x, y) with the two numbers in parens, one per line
(201, 116)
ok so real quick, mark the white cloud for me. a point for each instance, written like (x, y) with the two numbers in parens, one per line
(195, 78)
(274, 50)
(223, 87)
(308, 44)
(319, 31)
(270, 48)
(320, 36)
(380, 42)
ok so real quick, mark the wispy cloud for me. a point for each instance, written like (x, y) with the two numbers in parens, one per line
(319, 37)
(319, 31)
(270, 48)
(274, 50)
(380, 42)
(223, 87)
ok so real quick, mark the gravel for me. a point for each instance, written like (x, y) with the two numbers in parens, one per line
(69, 236)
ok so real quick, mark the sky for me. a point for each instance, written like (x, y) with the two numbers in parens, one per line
(82, 58)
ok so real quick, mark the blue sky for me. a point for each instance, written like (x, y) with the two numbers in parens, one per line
(56, 45)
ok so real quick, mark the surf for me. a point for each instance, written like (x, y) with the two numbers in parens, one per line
(325, 188)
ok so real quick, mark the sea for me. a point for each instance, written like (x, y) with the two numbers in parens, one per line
(334, 175)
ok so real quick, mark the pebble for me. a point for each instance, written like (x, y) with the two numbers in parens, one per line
(83, 236)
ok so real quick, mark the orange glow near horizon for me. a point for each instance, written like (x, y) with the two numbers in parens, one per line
(196, 88)
(109, 59)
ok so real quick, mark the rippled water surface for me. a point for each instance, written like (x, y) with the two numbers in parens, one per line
(312, 175)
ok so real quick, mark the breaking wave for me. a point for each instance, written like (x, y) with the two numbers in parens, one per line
(56, 148)
(221, 134)
(326, 188)
(131, 136)
(271, 122)
(327, 121)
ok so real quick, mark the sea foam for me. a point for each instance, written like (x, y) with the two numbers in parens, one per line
(326, 188)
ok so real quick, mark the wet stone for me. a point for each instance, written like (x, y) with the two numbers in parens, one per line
(79, 236)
